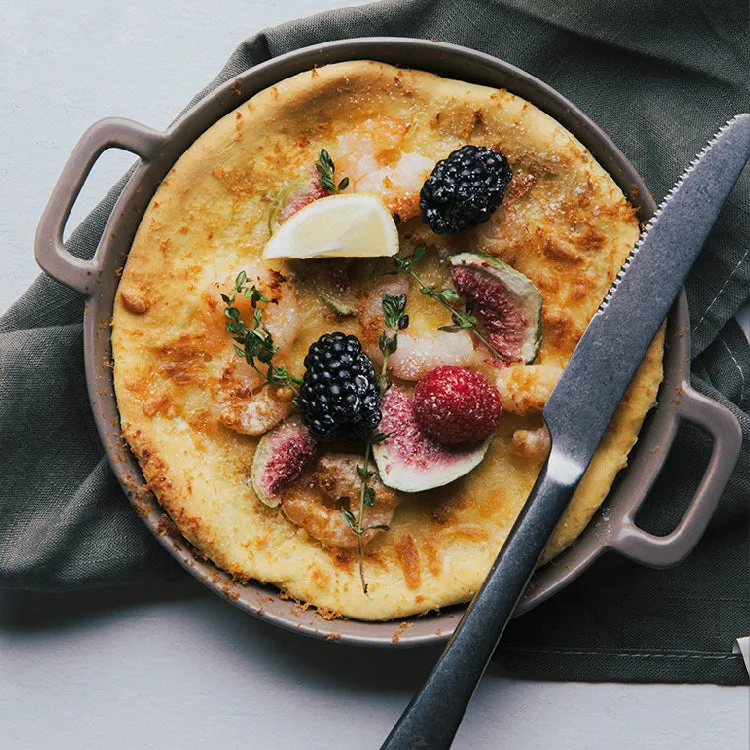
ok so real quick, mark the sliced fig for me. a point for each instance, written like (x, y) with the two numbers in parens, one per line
(408, 460)
(292, 198)
(506, 302)
(280, 457)
(332, 280)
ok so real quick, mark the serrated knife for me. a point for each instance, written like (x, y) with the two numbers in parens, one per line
(577, 414)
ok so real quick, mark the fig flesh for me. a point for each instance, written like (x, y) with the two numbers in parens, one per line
(280, 457)
(506, 302)
(410, 461)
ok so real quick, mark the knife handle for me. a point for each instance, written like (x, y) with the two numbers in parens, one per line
(435, 713)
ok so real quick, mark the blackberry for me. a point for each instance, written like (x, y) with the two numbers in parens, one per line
(339, 397)
(464, 189)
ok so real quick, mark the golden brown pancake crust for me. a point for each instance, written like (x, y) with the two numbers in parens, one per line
(564, 223)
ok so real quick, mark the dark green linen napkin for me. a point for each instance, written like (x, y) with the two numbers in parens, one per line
(659, 80)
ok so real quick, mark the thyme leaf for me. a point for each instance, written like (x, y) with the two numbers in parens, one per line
(349, 517)
(395, 320)
(326, 169)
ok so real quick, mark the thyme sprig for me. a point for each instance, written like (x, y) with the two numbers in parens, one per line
(255, 342)
(326, 168)
(395, 321)
(463, 320)
(366, 498)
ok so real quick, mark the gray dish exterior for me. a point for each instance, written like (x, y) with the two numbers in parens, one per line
(612, 528)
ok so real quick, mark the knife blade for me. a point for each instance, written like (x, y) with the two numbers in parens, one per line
(577, 414)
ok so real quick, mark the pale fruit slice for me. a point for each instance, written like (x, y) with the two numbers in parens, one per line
(410, 461)
(356, 225)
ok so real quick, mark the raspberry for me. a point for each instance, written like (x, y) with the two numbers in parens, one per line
(455, 405)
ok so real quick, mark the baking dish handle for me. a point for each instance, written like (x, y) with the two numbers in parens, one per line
(49, 249)
(663, 551)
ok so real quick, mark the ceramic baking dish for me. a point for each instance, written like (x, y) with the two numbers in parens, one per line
(613, 527)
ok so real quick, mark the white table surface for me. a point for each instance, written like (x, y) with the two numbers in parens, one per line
(135, 670)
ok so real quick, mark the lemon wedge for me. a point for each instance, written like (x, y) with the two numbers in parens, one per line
(355, 225)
